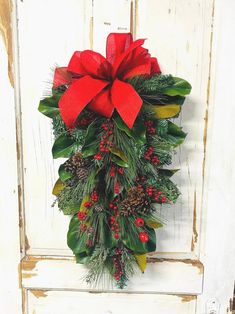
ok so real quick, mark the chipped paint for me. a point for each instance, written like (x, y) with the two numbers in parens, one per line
(29, 264)
(194, 263)
(132, 18)
(30, 275)
(208, 93)
(27, 246)
(39, 293)
(6, 32)
(195, 233)
(91, 28)
(24, 301)
(186, 298)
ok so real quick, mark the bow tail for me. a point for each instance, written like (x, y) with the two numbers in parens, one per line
(126, 101)
(77, 96)
(102, 104)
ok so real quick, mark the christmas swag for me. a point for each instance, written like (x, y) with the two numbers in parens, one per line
(111, 120)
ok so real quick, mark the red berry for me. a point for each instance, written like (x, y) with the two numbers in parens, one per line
(83, 227)
(97, 157)
(143, 236)
(139, 222)
(121, 170)
(81, 216)
(87, 204)
(116, 236)
(164, 199)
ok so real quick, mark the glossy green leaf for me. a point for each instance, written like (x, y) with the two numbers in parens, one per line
(180, 87)
(64, 175)
(64, 146)
(116, 151)
(89, 151)
(77, 240)
(82, 258)
(119, 161)
(176, 130)
(168, 172)
(133, 242)
(49, 105)
(175, 134)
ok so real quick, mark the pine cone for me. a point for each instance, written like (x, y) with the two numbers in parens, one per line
(135, 202)
(75, 163)
(98, 207)
(82, 173)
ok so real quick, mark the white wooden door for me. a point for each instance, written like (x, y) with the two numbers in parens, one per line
(189, 273)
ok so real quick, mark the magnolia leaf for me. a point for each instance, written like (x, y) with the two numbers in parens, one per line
(179, 88)
(119, 161)
(175, 134)
(49, 106)
(76, 240)
(141, 261)
(165, 112)
(116, 151)
(168, 172)
(174, 129)
(82, 258)
(133, 242)
(154, 224)
(64, 175)
(64, 146)
(58, 187)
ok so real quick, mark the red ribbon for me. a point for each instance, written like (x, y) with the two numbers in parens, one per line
(101, 82)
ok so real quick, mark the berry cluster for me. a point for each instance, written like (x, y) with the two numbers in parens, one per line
(114, 170)
(94, 196)
(157, 195)
(113, 219)
(118, 265)
(106, 141)
(149, 155)
(150, 127)
(82, 216)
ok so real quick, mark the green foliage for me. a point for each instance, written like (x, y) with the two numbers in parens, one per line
(49, 106)
(64, 146)
(111, 179)
(153, 85)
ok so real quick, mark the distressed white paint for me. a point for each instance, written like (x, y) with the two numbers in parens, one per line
(159, 277)
(178, 33)
(219, 246)
(106, 303)
(48, 35)
(10, 294)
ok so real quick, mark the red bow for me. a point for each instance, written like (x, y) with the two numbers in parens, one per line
(100, 82)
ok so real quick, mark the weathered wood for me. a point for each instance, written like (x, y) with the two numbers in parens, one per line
(218, 253)
(178, 33)
(60, 302)
(172, 276)
(10, 295)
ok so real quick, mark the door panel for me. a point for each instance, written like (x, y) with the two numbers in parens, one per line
(48, 302)
(179, 34)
